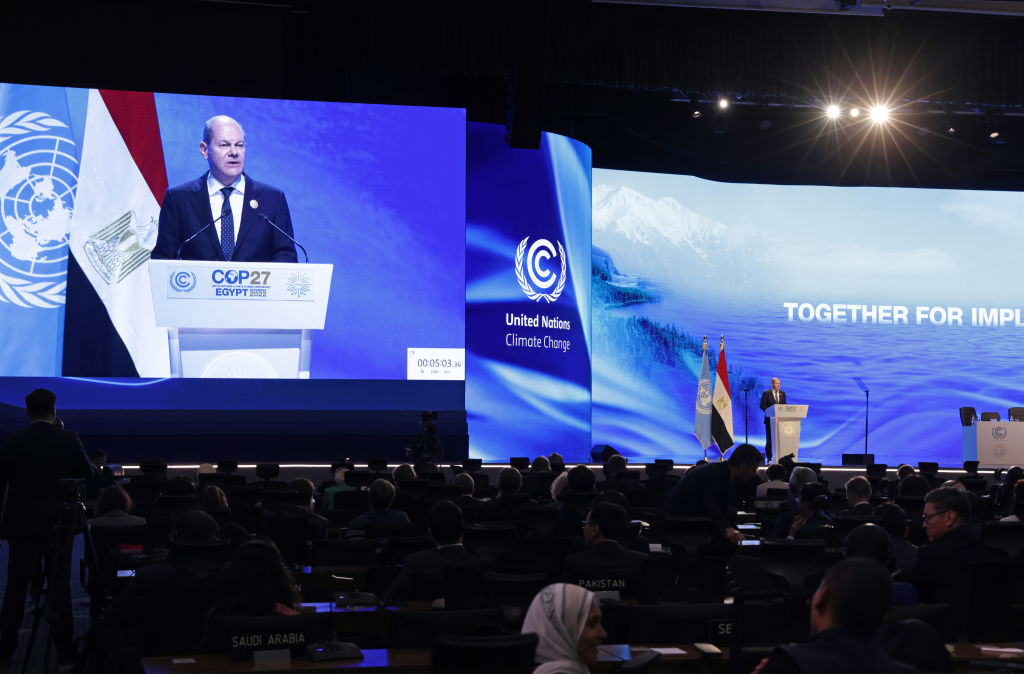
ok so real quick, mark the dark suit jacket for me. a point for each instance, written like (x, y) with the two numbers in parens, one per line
(767, 400)
(833, 651)
(704, 491)
(602, 561)
(186, 210)
(425, 569)
(862, 510)
(32, 461)
(943, 564)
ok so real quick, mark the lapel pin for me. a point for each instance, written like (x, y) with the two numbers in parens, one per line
(253, 204)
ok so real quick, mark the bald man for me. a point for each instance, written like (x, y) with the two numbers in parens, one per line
(225, 214)
(773, 396)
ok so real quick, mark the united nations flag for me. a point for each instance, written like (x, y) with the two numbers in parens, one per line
(38, 183)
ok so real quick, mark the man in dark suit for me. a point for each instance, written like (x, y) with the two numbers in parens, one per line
(953, 546)
(604, 564)
(852, 602)
(858, 498)
(231, 207)
(424, 570)
(773, 396)
(32, 463)
(705, 490)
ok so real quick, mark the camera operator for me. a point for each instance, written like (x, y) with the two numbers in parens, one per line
(425, 447)
(33, 461)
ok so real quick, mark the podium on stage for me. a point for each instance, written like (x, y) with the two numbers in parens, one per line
(247, 320)
(786, 428)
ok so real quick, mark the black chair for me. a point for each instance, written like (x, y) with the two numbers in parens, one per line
(1006, 536)
(345, 552)
(520, 463)
(1015, 414)
(489, 539)
(990, 416)
(675, 623)
(968, 415)
(504, 654)
(513, 589)
(800, 562)
(420, 629)
(378, 464)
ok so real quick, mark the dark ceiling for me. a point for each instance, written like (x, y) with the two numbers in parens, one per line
(603, 73)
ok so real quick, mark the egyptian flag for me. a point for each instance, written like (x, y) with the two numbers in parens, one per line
(109, 328)
(721, 408)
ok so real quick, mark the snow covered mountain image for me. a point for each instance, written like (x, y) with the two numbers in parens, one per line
(663, 241)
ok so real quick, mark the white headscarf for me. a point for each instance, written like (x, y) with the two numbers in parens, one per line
(557, 616)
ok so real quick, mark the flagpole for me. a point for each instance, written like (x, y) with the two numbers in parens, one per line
(705, 356)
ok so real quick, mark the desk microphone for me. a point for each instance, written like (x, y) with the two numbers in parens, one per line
(271, 223)
(201, 230)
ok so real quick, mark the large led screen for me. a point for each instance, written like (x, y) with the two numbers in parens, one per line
(376, 191)
(527, 296)
(910, 292)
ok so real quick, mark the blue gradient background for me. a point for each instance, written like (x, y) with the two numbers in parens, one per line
(519, 401)
(749, 248)
(377, 190)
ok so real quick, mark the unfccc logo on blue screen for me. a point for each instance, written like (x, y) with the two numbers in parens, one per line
(538, 262)
(183, 281)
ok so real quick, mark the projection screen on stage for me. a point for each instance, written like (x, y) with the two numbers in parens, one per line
(913, 291)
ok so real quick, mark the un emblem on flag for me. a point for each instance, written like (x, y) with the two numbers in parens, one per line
(38, 177)
(704, 396)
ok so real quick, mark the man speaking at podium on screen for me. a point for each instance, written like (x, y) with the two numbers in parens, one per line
(225, 214)
(773, 396)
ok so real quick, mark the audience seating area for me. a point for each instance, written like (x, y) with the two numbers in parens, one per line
(686, 585)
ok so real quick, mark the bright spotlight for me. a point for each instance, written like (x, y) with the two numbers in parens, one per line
(854, 112)
(696, 114)
(832, 112)
(723, 103)
(879, 114)
(993, 134)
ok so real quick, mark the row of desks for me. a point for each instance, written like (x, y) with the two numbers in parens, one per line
(680, 658)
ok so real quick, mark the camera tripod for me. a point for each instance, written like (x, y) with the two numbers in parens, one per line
(55, 602)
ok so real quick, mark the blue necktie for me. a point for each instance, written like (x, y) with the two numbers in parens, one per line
(227, 225)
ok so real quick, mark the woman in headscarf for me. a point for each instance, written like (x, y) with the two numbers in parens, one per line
(567, 623)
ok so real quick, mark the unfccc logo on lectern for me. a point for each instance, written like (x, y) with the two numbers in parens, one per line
(538, 263)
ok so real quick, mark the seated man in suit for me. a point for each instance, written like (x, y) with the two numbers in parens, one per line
(852, 602)
(506, 507)
(315, 524)
(952, 545)
(424, 570)
(858, 498)
(244, 220)
(812, 522)
(617, 478)
(893, 519)
(469, 504)
(790, 508)
(604, 564)
(382, 495)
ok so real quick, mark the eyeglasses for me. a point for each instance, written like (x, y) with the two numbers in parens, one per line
(927, 518)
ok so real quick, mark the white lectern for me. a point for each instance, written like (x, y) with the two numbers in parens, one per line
(786, 429)
(248, 320)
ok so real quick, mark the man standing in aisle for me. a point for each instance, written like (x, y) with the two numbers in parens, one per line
(33, 461)
(773, 396)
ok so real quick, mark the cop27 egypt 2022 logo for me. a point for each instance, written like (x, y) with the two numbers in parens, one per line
(540, 276)
(38, 178)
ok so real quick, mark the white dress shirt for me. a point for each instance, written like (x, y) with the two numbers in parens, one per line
(214, 187)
